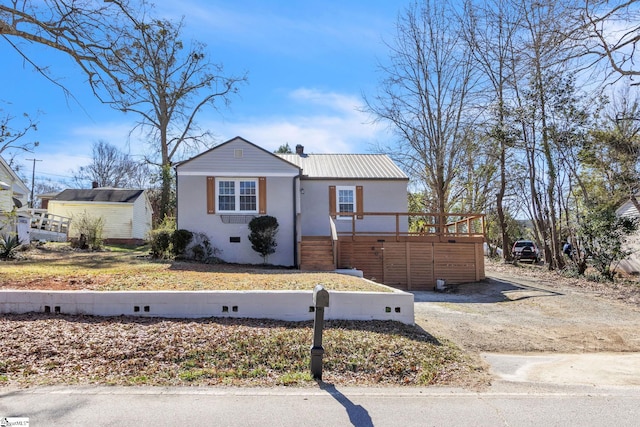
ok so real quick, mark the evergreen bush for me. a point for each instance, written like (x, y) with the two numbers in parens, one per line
(263, 235)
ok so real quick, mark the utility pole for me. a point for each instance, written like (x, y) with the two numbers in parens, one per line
(33, 179)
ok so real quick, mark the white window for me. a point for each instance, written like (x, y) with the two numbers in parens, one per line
(345, 200)
(238, 195)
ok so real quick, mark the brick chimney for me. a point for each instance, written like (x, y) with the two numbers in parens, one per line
(300, 150)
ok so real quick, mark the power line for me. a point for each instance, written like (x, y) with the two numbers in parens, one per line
(53, 174)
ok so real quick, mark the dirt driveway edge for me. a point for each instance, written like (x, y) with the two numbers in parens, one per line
(506, 315)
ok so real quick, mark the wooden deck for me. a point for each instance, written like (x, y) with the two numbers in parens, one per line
(413, 260)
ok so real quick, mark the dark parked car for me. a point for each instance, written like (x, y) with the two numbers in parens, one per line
(525, 250)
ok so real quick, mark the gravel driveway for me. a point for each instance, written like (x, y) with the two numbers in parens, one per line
(513, 313)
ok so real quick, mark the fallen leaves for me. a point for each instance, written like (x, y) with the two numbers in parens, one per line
(41, 349)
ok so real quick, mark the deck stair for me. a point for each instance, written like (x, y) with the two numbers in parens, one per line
(317, 254)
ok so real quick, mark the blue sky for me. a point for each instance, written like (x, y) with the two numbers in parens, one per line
(308, 64)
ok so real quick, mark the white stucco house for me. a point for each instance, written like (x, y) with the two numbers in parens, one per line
(221, 190)
(127, 213)
(14, 196)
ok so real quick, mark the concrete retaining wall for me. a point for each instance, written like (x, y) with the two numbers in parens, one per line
(279, 305)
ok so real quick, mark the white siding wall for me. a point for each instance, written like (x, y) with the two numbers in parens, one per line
(6, 204)
(118, 217)
(142, 213)
(627, 209)
(378, 196)
(5, 195)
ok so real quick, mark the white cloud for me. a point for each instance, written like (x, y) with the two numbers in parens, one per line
(118, 134)
(347, 104)
(337, 127)
(60, 164)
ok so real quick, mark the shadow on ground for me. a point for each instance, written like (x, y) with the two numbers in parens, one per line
(485, 291)
(358, 415)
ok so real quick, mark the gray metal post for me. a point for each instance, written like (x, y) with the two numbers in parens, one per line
(320, 301)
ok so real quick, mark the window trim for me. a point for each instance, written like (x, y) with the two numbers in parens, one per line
(351, 188)
(237, 195)
(359, 201)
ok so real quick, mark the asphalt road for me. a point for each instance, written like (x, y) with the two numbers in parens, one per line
(503, 405)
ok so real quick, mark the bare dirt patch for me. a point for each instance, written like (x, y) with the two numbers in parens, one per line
(521, 309)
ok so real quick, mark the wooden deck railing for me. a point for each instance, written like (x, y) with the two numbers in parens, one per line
(43, 220)
(420, 224)
(334, 240)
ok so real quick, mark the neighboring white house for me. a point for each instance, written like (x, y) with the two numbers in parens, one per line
(222, 189)
(630, 265)
(14, 195)
(126, 213)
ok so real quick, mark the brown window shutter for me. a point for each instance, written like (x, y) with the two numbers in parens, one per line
(211, 195)
(359, 202)
(262, 195)
(332, 200)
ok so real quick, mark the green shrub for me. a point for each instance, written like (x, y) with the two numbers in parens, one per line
(160, 241)
(161, 238)
(8, 246)
(180, 240)
(263, 235)
(603, 235)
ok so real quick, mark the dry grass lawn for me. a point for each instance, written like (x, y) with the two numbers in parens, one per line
(58, 267)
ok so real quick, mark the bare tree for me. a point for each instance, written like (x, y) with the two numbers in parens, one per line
(167, 84)
(609, 30)
(82, 29)
(543, 67)
(490, 30)
(44, 186)
(422, 97)
(12, 137)
(110, 167)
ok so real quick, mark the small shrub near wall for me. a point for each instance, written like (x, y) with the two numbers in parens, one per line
(263, 235)
(159, 240)
(202, 250)
(90, 229)
(180, 240)
(166, 242)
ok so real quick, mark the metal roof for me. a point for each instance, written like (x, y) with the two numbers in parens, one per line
(346, 166)
(113, 195)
